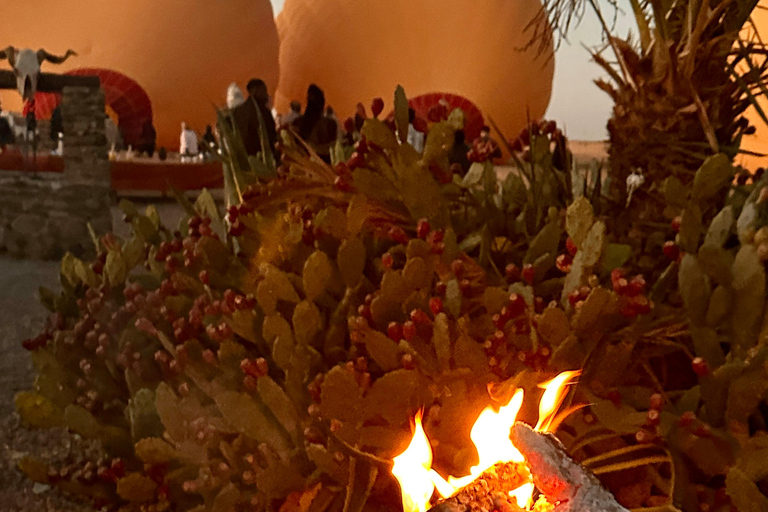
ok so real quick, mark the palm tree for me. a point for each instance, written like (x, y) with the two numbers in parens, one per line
(680, 88)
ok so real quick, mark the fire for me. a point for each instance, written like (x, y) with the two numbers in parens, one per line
(412, 470)
(490, 435)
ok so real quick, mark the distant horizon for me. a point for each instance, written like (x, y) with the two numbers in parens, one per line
(576, 103)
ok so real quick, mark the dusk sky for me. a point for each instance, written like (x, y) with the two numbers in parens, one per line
(577, 104)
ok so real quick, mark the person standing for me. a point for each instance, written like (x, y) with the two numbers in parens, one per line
(314, 127)
(187, 144)
(246, 118)
(148, 139)
(459, 152)
(7, 136)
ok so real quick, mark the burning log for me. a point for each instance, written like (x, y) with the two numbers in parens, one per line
(559, 478)
(566, 485)
(489, 492)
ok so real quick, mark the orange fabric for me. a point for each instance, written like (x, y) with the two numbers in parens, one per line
(359, 50)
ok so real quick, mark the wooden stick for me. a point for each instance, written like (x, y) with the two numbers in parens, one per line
(564, 482)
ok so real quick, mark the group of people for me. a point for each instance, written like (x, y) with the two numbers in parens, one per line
(192, 148)
(317, 125)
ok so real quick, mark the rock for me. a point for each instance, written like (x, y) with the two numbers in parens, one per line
(42, 247)
(28, 224)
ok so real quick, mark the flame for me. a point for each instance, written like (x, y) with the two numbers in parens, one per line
(554, 394)
(490, 435)
(412, 470)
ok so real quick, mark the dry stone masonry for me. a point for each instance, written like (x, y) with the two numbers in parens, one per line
(43, 216)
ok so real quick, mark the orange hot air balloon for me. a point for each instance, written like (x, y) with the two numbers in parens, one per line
(182, 53)
(356, 50)
(758, 142)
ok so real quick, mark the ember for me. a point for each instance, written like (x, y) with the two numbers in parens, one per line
(501, 480)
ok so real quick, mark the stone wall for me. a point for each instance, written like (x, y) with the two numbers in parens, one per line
(43, 216)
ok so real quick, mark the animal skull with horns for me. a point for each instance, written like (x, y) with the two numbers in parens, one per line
(26, 65)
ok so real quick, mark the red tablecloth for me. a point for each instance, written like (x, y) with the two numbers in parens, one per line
(140, 175)
(11, 159)
(161, 177)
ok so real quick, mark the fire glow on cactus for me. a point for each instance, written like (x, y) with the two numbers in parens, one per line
(490, 435)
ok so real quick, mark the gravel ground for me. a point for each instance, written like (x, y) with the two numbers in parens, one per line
(21, 316)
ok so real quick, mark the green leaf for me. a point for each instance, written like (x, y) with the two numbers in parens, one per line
(68, 272)
(401, 114)
(694, 289)
(341, 397)
(690, 400)
(514, 192)
(422, 194)
(317, 274)
(153, 215)
(226, 500)
(716, 263)
(250, 419)
(753, 460)
(307, 322)
(396, 396)
(474, 175)
(351, 261)
(382, 350)
(85, 273)
(749, 298)
(675, 193)
(706, 345)
(128, 208)
(616, 255)
(690, 229)
(593, 245)
(471, 242)
(378, 133)
(133, 252)
(747, 218)
(744, 396)
(453, 297)
(441, 341)
(374, 185)
(362, 476)
(94, 238)
(47, 298)
(276, 399)
(720, 228)
(715, 174)
(579, 220)
(744, 493)
(145, 421)
(37, 411)
(545, 243)
(622, 420)
(116, 268)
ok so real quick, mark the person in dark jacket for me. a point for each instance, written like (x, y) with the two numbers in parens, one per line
(247, 118)
(57, 124)
(314, 127)
(459, 152)
(7, 136)
(148, 139)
